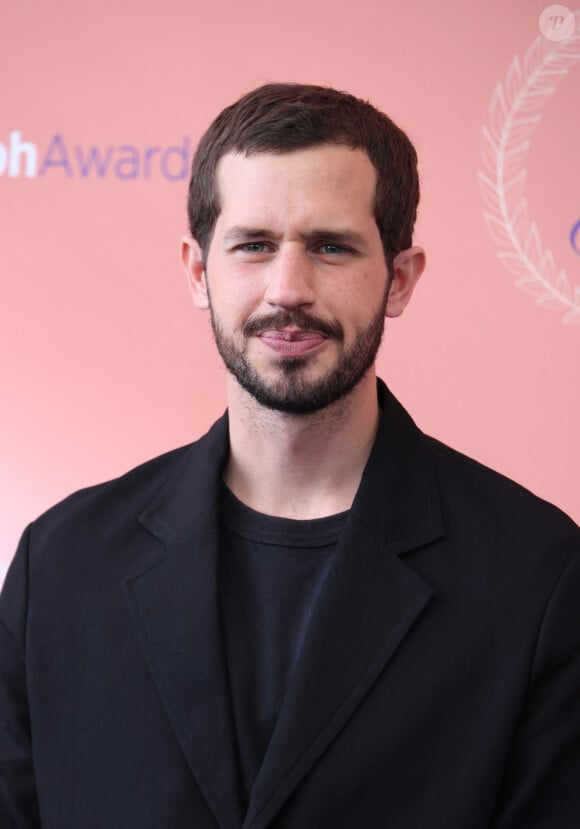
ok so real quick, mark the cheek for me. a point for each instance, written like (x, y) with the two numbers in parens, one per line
(358, 296)
(233, 291)
(233, 302)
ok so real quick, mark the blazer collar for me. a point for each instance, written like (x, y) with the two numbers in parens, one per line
(398, 498)
(370, 602)
(193, 488)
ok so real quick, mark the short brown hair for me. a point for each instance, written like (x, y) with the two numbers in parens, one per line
(281, 118)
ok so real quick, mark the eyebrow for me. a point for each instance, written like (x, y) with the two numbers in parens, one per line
(346, 237)
(237, 233)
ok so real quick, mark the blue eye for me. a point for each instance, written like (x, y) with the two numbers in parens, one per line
(253, 247)
(332, 249)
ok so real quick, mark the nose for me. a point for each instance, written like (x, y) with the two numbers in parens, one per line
(290, 282)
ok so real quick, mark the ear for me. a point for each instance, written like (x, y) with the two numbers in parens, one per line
(408, 266)
(192, 260)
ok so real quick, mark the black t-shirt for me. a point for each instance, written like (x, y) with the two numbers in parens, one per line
(272, 571)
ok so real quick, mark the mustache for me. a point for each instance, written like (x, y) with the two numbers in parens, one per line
(299, 319)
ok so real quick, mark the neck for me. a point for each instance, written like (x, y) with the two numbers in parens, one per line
(300, 466)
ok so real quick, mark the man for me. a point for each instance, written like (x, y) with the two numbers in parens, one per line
(314, 617)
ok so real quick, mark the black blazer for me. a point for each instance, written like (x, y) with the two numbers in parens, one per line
(439, 684)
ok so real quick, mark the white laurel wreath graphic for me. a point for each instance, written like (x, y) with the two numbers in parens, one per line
(513, 116)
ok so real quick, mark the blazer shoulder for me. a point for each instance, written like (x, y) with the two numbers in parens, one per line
(487, 498)
(142, 482)
(101, 507)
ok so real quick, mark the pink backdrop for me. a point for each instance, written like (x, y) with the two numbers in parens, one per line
(104, 362)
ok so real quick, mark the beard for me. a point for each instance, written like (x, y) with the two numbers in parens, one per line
(292, 391)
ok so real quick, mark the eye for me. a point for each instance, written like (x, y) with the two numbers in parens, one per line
(332, 249)
(252, 247)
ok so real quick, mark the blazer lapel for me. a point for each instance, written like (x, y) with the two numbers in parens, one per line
(370, 603)
(175, 610)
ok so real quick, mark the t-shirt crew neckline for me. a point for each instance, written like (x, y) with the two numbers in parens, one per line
(247, 523)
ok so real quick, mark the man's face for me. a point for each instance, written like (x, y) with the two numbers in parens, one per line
(296, 275)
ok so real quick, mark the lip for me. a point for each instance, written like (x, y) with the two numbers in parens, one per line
(293, 343)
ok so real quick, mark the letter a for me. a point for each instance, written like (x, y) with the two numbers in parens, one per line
(56, 147)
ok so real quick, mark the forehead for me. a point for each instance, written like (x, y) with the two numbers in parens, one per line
(334, 179)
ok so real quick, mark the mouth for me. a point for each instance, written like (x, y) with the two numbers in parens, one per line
(292, 342)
